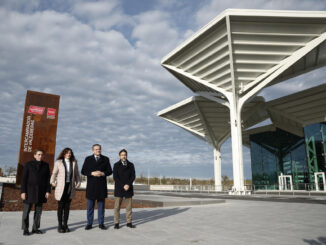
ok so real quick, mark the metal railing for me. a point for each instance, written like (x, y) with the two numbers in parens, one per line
(197, 188)
(295, 189)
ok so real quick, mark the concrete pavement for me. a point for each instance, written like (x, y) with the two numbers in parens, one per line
(172, 201)
(232, 222)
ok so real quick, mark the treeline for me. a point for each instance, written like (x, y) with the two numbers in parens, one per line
(168, 181)
(172, 181)
(182, 181)
(229, 182)
(9, 170)
(177, 181)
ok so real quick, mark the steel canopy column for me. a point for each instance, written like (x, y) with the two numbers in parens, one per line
(235, 122)
(217, 169)
(237, 156)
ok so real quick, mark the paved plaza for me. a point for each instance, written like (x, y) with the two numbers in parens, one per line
(231, 222)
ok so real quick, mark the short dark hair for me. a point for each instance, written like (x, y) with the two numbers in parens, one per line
(123, 150)
(37, 150)
(96, 145)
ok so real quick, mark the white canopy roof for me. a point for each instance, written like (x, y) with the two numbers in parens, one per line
(249, 45)
(246, 133)
(209, 120)
(293, 112)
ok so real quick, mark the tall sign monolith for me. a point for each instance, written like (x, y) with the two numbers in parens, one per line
(39, 128)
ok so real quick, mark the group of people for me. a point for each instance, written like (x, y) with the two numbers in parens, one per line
(37, 181)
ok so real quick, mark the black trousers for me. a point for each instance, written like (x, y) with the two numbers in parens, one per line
(64, 207)
(37, 215)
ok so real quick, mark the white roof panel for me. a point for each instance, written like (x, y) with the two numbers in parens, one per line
(210, 120)
(249, 44)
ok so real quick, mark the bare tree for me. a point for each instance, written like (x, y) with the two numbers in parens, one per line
(10, 170)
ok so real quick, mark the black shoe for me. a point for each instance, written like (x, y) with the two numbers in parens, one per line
(116, 226)
(102, 227)
(66, 229)
(88, 227)
(61, 230)
(26, 233)
(37, 231)
(130, 225)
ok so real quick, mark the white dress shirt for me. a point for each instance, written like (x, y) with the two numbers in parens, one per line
(67, 169)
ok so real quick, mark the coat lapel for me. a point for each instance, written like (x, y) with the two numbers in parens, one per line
(70, 169)
(99, 162)
(96, 163)
(37, 166)
(64, 165)
(127, 162)
(73, 171)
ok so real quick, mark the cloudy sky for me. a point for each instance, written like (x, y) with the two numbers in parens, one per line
(103, 59)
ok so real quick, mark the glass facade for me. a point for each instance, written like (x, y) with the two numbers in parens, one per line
(275, 153)
(315, 136)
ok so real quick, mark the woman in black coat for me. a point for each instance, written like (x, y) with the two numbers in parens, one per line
(35, 189)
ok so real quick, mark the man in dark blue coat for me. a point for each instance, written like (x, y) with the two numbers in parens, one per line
(124, 176)
(96, 167)
(35, 189)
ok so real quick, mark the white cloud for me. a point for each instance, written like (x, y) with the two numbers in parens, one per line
(110, 90)
(214, 7)
(296, 84)
(154, 34)
(25, 6)
(111, 82)
(101, 14)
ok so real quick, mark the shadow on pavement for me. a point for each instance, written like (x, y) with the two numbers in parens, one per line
(318, 241)
(139, 217)
(145, 216)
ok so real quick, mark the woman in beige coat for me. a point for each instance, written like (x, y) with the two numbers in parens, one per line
(65, 178)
